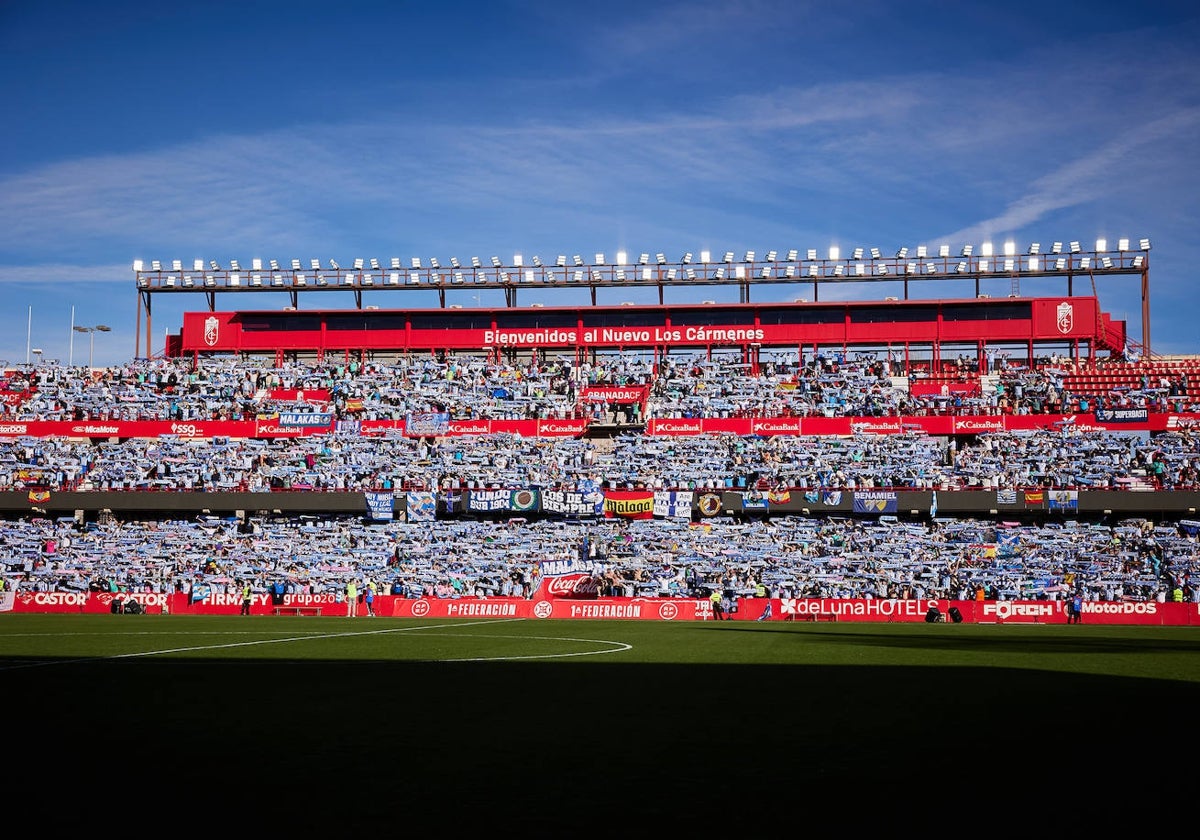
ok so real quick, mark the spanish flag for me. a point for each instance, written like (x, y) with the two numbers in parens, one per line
(1035, 497)
(36, 497)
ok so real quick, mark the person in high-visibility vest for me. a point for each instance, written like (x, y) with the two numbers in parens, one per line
(247, 594)
(715, 597)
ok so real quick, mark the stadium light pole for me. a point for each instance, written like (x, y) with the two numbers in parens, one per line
(91, 331)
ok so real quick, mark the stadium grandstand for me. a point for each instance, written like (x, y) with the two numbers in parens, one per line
(1023, 423)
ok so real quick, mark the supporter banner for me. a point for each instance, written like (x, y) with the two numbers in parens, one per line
(629, 504)
(380, 506)
(427, 424)
(709, 504)
(315, 419)
(421, 506)
(1063, 500)
(1122, 415)
(875, 501)
(673, 503)
(617, 394)
(753, 500)
(568, 578)
(493, 501)
(572, 503)
(214, 602)
(310, 395)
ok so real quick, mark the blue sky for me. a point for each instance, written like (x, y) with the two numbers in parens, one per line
(234, 130)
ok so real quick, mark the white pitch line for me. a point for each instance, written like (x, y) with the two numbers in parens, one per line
(617, 646)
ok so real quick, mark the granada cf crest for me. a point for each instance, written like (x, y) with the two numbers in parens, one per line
(1066, 317)
(211, 325)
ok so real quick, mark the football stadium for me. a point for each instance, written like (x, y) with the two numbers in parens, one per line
(306, 567)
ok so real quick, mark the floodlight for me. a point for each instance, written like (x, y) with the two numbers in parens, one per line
(177, 265)
(315, 265)
(358, 264)
(812, 269)
(187, 281)
(793, 255)
(645, 273)
(212, 264)
(577, 259)
(790, 271)
(393, 278)
(170, 281)
(875, 254)
(1138, 260)
(577, 276)
(961, 267)
(155, 265)
(256, 279)
(518, 260)
(395, 263)
(1106, 262)
(881, 268)
(719, 274)
(1122, 244)
(1034, 247)
(687, 258)
(454, 263)
(414, 278)
(858, 254)
(300, 280)
(1033, 264)
(334, 265)
(1009, 263)
(496, 262)
(235, 279)
(415, 262)
(209, 280)
(739, 271)
(137, 265)
(728, 258)
(1060, 263)
(835, 253)
(366, 279)
(771, 255)
(321, 281)
(706, 257)
(233, 265)
(1085, 262)
(256, 264)
(931, 268)
(661, 259)
(922, 252)
(527, 276)
(985, 249)
(839, 269)
(475, 262)
(374, 264)
(276, 280)
(902, 253)
(620, 274)
(860, 269)
(599, 259)
(749, 257)
(622, 258)
(967, 250)
(537, 261)
(596, 278)
(764, 272)
(943, 250)
(504, 277)
(295, 265)
(691, 273)
(642, 260)
(671, 272)
(911, 268)
(1075, 248)
(811, 254)
(561, 261)
(457, 277)
(1101, 244)
(1144, 244)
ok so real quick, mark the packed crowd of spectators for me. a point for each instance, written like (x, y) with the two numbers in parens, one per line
(958, 559)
